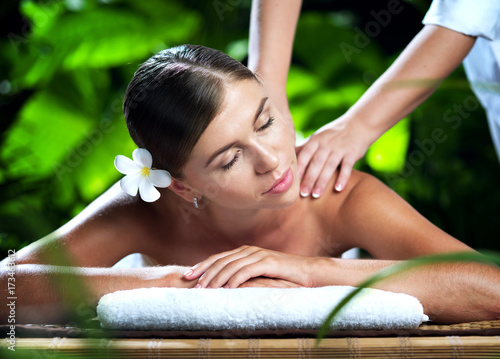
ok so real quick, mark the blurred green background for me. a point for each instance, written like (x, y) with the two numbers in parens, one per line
(65, 66)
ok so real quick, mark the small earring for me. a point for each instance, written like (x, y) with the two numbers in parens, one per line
(195, 202)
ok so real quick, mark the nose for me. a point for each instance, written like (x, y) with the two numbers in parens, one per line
(265, 157)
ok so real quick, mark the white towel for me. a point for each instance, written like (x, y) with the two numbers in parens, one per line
(256, 308)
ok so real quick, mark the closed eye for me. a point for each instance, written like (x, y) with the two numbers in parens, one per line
(269, 123)
(228, 166)
(233, 161)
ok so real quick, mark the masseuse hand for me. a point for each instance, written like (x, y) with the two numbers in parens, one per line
(232, 268)
(337, 144)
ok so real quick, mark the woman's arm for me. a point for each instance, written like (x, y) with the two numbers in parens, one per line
(376, 219)
(449, 293)
(73, 263)
(56, 294)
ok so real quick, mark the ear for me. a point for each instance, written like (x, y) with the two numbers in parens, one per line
(183, 190)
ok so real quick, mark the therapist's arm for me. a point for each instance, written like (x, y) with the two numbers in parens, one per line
(429, 58)
(272, 30)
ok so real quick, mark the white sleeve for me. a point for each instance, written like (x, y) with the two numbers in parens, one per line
(470, 17)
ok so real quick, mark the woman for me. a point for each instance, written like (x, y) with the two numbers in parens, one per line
(206, 119)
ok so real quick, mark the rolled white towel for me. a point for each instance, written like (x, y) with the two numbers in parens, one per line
(256, 308)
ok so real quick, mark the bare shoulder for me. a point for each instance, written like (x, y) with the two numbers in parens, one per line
(370, 215)
(111, 227)
(363, 184)
(334, 206)
(328, 209)
(333, 201)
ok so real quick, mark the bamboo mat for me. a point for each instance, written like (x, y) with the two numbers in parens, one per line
(484, 328)
(465, 340)
(399, 347)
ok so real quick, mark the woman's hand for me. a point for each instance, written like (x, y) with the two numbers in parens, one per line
(335, 144)
(233, 268)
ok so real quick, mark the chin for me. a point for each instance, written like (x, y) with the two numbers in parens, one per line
(286, 199)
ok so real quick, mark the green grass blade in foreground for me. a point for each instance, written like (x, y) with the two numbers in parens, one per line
(488, 257)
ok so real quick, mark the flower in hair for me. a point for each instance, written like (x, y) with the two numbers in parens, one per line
(139, 175)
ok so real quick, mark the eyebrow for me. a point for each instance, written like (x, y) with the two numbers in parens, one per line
(225, 148)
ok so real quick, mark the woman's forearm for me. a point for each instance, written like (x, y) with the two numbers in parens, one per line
(55, 294)
(431, 56)
(449, 292)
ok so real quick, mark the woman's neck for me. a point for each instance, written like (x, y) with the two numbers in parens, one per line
(239, 227)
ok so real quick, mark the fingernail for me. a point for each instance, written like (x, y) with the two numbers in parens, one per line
(188, 273)
(304, 192)
(338, 187)
(197, 285)
(226, 286)
(316, 193)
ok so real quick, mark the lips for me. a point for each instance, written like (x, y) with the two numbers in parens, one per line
(282, 184)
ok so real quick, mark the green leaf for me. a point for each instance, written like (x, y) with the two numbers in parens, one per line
(44, 132)
(52, 122)
(96, 172)
(388, 153)
(322, 106)
(109, 35)
(41, 15)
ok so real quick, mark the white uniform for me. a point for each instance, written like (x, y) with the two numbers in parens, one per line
(479, 18)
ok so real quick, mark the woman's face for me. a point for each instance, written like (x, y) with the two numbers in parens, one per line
(246, 158)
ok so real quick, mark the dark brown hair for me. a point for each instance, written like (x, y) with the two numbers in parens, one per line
(174, 96)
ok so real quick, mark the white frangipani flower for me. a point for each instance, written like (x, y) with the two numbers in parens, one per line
(139, 175)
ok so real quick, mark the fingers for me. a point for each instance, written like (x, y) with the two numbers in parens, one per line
(325, 175)
(235, 268)
(235, 273)
(334, 145)
(200, 268)
(313, 171)
(344, 175)
(231, 269)
(317, 163)
(259, 264)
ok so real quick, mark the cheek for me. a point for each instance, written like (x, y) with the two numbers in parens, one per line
(230, 186)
